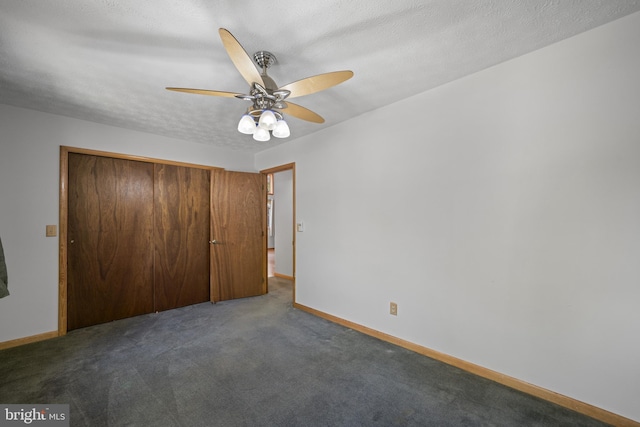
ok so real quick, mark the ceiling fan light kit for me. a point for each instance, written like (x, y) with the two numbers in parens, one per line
(264, 117)
(268, 120)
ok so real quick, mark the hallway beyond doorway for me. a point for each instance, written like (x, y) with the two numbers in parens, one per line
(271, 261)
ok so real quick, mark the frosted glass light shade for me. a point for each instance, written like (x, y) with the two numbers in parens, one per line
(267, 120)
(247, 125)
(261, 134)
(281, 130)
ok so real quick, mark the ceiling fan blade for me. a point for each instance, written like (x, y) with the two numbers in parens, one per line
(204, 92)
(240, 59)
(300, 112)
(316, 83)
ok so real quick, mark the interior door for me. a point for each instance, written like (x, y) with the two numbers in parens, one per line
(182, 219)
(238, 239)
(109, 239)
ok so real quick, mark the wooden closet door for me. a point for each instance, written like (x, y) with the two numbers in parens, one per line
(109, 239)
(182, 218)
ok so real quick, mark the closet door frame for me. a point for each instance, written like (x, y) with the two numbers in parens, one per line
(63, 215)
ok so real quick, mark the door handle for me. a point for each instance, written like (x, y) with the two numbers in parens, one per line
(214, 242)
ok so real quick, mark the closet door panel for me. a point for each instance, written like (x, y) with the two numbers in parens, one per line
(182, 219)
(109, 239)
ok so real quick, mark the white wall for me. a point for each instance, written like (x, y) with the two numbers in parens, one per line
(501, 212)
(283, 201)
(29, 199)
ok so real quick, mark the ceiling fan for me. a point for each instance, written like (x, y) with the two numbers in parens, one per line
(268, 100)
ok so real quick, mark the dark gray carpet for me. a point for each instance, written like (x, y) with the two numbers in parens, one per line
(255, 362)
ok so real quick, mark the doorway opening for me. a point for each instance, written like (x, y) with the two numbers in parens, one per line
(281, 237)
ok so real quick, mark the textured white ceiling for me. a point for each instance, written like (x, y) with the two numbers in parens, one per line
(108, 61)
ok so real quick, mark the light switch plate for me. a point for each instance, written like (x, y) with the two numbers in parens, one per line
(52, 231)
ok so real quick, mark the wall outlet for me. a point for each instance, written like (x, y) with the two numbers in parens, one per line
(393, 309)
